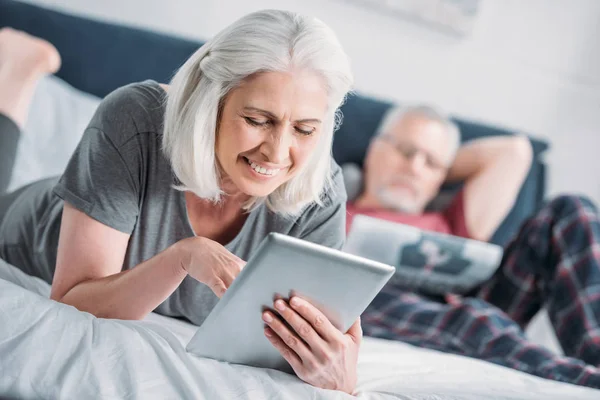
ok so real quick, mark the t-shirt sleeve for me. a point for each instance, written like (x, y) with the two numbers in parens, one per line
(100, 178)
(455, 215)
(326, 224)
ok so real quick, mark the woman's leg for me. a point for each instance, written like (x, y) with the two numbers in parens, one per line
(471, 327)
(9, 139)
(24, 59)
(555, 262)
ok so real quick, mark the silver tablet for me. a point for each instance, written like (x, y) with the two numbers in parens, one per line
(341, 285)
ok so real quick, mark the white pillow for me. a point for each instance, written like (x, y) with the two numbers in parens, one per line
(58, 116)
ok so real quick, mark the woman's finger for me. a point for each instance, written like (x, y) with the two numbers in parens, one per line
(288, 354)
(288, 337)
(218, 287)
(226, 277)
(236, 264)
(302, 327)
(231, 273)
(240, 265)
(316, 318)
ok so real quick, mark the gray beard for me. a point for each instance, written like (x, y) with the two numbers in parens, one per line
(391, 200)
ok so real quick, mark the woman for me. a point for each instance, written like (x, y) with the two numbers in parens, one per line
(167, 194)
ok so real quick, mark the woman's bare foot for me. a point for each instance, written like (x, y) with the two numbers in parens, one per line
(29, 54)
(24, 59)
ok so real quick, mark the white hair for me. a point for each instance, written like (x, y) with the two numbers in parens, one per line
(396, 113)
(263, 41)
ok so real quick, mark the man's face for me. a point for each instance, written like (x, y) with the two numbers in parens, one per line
(406, 166)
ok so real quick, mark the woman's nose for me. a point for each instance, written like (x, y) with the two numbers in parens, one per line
(277, 146)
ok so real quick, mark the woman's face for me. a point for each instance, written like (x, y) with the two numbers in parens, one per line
(269, 127)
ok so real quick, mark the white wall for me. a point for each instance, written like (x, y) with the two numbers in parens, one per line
(530, 65)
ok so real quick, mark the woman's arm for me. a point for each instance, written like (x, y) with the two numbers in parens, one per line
(90, 258)
(88, 271)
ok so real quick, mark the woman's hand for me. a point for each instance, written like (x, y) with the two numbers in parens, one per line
(210, 263)
(317, 351)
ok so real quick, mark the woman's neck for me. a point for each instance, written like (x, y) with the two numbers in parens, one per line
(232, 199)
(231, 194)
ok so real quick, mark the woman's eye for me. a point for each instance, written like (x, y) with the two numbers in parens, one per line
(254, 122)
(305, 132)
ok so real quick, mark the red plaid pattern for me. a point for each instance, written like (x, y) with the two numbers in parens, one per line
(554, 262)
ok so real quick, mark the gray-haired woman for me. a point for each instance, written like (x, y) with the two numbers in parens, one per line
(171, 189)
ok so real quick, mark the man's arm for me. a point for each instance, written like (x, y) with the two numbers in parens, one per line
(493, 170)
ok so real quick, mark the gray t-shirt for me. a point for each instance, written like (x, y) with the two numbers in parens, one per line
(119, 176)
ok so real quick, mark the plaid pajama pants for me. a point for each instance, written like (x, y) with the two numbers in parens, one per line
(554, 262)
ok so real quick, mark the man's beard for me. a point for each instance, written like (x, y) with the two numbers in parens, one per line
(393, 199)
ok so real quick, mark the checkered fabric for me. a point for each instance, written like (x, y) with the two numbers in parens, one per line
(554, 262)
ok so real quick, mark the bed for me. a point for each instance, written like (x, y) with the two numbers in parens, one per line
(50, 350)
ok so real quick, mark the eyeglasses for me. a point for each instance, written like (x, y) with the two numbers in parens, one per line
(409, 150)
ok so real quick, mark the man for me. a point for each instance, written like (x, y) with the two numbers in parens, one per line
(553, 262)
(416, 150)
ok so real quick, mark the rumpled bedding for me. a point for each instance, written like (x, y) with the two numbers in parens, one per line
(49, 350)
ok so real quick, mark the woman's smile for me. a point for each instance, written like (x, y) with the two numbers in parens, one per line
(261, 170)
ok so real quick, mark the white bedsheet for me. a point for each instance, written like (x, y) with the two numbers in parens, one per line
(50, 350)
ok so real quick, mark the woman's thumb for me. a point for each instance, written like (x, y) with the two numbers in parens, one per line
(356, 330)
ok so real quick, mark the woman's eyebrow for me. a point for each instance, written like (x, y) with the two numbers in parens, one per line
(273, 116)
(261, 111)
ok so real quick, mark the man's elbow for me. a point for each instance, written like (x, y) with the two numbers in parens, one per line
(521, 152)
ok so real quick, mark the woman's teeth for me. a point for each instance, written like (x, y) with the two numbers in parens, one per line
(261, 170)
